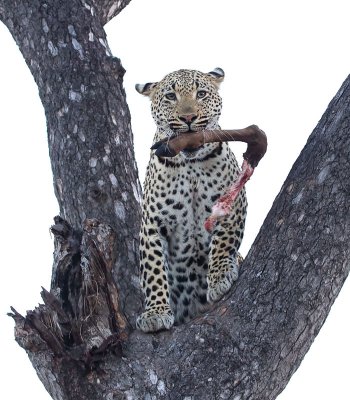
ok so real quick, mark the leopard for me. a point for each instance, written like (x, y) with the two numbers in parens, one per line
(184, 268)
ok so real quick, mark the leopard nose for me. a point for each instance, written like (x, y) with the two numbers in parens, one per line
(188, 118)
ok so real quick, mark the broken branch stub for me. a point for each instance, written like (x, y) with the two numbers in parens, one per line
(81, 317)
(252, 135)
(100, 294)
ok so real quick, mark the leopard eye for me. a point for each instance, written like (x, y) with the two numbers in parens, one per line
(170, 96)
(201, 94)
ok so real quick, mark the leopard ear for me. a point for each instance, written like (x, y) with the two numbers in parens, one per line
(218, 75)
(146, 89)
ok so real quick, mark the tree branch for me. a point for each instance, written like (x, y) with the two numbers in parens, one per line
(105, 9)
(108, 9)
(91, 153)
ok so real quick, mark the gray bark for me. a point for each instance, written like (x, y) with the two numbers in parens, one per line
(107, 9)
(90, 142)
(81, 341)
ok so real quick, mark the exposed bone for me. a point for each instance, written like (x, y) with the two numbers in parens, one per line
(257, 145)
(224, 204)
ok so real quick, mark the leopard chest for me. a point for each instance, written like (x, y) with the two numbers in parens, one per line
(179, 195)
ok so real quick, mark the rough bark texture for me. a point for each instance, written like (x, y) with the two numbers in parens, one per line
(88, 122)
(81, 341)
(107, 9)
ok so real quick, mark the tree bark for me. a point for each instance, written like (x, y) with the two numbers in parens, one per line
(81, 341)
(107, 9)
(88, 121)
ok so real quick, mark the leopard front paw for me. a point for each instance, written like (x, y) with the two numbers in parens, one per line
(220, 283)
(155, 319)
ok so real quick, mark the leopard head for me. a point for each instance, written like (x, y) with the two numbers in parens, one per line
(185, 101)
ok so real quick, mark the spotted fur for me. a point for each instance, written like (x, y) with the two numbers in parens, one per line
(183, 267)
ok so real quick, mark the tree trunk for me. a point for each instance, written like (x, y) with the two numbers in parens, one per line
(81, 341)
(88, 121)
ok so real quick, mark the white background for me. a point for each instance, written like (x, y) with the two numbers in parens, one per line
(284, 61)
